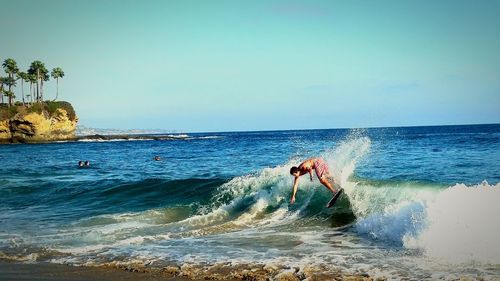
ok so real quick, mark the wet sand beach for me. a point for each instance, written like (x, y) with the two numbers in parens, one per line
(57, 272)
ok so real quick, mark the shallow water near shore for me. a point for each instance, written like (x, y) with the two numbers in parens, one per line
(419, 203)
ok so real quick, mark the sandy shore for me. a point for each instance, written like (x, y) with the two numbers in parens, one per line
(223, 271)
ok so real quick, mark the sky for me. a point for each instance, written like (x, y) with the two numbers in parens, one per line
(206, 66)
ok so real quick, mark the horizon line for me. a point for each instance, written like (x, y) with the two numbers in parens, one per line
(302, 129)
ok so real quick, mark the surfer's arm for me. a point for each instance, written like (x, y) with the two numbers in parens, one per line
(295, 185)
(310, 174)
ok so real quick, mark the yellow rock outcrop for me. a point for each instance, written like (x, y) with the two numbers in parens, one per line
(38, 127)
(5, 130)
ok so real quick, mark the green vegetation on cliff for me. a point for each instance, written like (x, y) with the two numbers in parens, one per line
(48, 107)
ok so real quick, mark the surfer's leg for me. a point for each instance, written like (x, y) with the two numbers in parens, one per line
(324, 181)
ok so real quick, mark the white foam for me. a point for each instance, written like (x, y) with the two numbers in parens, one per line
(456, 224)
(462, 225)
(114, 140)
(207, 137)
(344, 158)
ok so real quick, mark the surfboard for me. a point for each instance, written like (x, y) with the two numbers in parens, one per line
(334, 198)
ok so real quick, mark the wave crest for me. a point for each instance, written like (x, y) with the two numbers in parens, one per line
(461, 224)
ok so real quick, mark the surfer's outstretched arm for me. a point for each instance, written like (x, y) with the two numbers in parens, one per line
(295, 185)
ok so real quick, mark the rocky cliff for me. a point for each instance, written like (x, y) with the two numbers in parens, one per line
(43, 125)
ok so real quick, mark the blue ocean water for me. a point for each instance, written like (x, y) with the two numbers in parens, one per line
(418, 201)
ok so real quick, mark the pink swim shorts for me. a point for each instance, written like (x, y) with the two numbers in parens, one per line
(320, 167)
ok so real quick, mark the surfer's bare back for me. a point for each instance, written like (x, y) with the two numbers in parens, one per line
(319, 166)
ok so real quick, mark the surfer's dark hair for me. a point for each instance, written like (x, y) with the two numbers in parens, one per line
(293, 170)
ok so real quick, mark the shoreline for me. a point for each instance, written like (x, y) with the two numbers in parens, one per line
(15, 271)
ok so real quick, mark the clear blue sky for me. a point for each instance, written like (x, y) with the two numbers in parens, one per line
(262, 65)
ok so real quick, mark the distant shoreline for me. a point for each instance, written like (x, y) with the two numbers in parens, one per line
(98, 137)
(133, 132)
(148, 132)
(125, 137)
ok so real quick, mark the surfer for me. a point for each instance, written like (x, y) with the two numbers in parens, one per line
(321, 168)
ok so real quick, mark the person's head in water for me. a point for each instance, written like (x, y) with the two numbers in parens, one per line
(294, 171)
(157, 158)
(87, 163)
(80, 163)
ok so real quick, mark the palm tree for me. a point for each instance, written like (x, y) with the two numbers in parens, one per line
(45, 77)
(9, 82)
(2, 82)
(24, 78)
(38, 68)
(10, 67)
(32, 80)
(11, 96)
(56, 74)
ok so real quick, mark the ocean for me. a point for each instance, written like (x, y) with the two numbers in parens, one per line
(419, 202)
